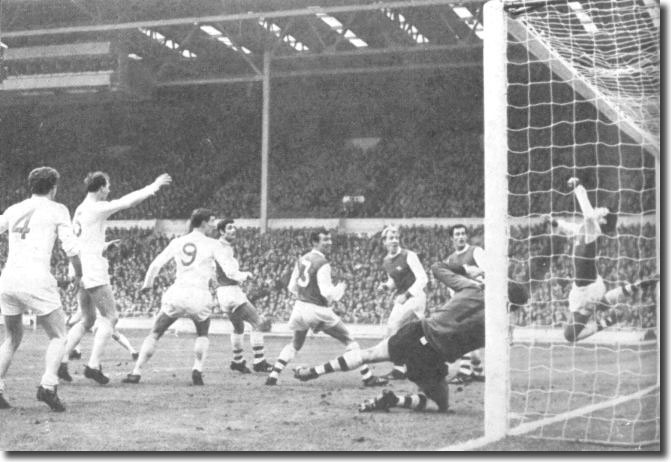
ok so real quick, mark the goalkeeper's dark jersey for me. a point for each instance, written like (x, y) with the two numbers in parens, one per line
(458, 326)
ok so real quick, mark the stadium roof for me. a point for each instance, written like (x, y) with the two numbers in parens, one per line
(191, 42)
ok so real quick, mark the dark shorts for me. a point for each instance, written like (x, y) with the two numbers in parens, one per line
(409, 346)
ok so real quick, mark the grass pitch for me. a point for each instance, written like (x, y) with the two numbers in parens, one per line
(235, 412)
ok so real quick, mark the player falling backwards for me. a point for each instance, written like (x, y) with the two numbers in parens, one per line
(311, 283)
(189, 296)
(234, 302)
(89, 226)
(407, 276)
(423, 346)
(588, 293)
(26, 282)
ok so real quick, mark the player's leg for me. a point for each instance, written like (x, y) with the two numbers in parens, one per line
(103, 299)
(87, 319)
(340, 333)
(401, 314)
(53, 324)
(200, 347)
(238, 362)
(161, 324)
(122, 340)
(13, 336)
(579, 327)
(287, 354)
(70, 321)
(350, 360)
(247, 312)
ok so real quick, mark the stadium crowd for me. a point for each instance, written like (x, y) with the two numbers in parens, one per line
(357, 261)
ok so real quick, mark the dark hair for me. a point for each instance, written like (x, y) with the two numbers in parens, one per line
(198, 216)
(221, 226)
(611, 223)
(457, 226)
(517, 293)
(42, 180)
(96, 180)
(314, 235)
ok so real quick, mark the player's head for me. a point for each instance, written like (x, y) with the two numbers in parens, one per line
(44, 181)
(227, 229)
(98, 183)
(518, 295)
(321, 240)
(391, 238)
(459, 236)
(607, 220)
(203, 220)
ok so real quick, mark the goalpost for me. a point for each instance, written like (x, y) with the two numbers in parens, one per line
(571, 90)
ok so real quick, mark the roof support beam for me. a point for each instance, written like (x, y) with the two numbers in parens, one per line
(229, 17)
(319, 73)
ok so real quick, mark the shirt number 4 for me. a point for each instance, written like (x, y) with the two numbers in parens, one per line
(22, 225)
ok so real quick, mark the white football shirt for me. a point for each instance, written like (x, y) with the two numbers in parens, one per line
(33, 225)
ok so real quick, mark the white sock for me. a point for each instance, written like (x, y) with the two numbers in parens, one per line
(200, 350)
(146, 352)
(123, 341)
(287, 354)
(102, 336)
(6, 355)
(75, 335)
(52, 360)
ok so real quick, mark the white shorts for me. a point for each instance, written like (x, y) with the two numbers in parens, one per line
(42, 301)
(399, 313)
(583, 299)
(306, 316)
(230, 298)
(95, 271)
(187, 302)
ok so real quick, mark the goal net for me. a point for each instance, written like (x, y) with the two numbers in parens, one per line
(572, 90)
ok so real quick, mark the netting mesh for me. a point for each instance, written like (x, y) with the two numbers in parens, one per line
(602, 389)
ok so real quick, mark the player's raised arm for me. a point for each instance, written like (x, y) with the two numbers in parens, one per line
(591, 216)
(155, 267)
(134, 198)
(328, 290)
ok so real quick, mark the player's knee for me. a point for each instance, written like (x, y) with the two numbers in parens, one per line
(238, 327)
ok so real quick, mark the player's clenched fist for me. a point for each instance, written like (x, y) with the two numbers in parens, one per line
(573, 182)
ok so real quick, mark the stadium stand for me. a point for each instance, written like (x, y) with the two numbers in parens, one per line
(356, 260)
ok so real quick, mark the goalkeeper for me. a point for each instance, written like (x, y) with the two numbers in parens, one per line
(588, 294)
(424, 345)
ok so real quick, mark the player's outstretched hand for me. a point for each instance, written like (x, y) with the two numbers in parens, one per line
(162, 180)
(573, 182)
